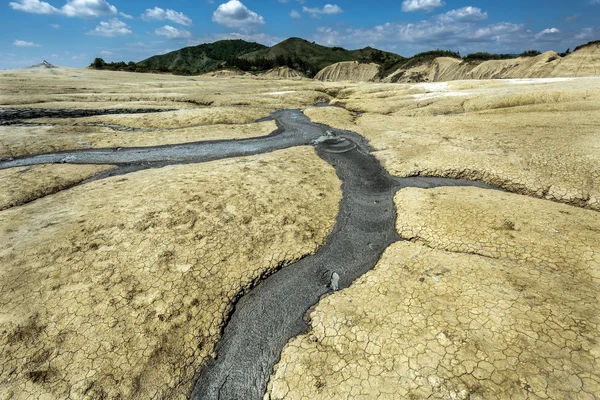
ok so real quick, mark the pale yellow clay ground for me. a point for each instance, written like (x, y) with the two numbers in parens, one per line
(540, 138)
(171, 119)
(23, 140)
(119, 288)
(25, 184)
(205, 107)
(82, 88)
(511, 311)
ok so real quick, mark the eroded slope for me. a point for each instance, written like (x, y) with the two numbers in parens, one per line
(127, 297)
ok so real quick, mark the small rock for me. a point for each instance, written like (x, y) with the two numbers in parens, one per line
(335, 280)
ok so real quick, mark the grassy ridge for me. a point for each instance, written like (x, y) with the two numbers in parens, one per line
(202, 58)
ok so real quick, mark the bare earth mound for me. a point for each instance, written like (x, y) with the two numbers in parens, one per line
(22, 185)
(351, 71)
(126, 298)
(509, 311)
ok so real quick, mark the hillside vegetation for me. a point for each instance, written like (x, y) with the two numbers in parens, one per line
(308, 58)
(316, 57)
(202, 58)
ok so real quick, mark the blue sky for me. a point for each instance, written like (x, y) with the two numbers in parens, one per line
(74, 32)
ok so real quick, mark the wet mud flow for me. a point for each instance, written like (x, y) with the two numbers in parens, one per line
(274, 311)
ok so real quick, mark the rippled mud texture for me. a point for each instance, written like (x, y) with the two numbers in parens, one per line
(25, 184)
(127, 297)
(495, 296)
(534, 137)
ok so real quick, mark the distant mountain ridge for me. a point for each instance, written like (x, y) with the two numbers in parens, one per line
(320, 56)
(301, 54)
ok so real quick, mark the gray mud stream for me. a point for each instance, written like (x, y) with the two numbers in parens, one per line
(274, 311)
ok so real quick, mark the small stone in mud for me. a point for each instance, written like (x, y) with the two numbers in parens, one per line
(335, 280)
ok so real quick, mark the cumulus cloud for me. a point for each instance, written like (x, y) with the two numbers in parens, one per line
(504, 37)
(158, 14)
(173, 33)
(126, 16)
(236, 15)
(546, 33)
(23, 43)
(465, 14)
(295, 14)
(34, 7)
(73, 8)
(328, 9)
(111, 28)
(88, 8)
(421, 5)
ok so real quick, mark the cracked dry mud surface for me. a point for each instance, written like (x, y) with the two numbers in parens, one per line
(496, 296)
(532, 138)
(17, 141)
(127, 298)
(25, 184)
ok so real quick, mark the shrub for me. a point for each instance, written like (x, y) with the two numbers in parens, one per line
(530, 53)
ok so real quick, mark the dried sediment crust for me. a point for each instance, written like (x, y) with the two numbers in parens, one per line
(22, 185)
(517, 318)
(501, 225)
(26, 140)
(120, 287)
(83, 88)
(537, 139)
(171, 119)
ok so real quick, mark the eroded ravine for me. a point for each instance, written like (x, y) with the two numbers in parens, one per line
(272, 313)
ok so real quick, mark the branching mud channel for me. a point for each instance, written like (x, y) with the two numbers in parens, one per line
(275, 311)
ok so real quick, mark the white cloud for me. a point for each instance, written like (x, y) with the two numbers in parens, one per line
(158, 14)
(547, 33)
(434, 33)
(421, 5)
(572, 18)
(55, 26)
(295, 14)
(465, 14)
(328, 9)
(106, 53)
(88, 8)
(23, 43)
(34, 7)
(111, 28)
(236, 15)
(173, 33)
(126, 16)
(73, 8)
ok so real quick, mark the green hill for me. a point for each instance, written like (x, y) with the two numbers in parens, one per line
(317, 55)
(201, 58)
